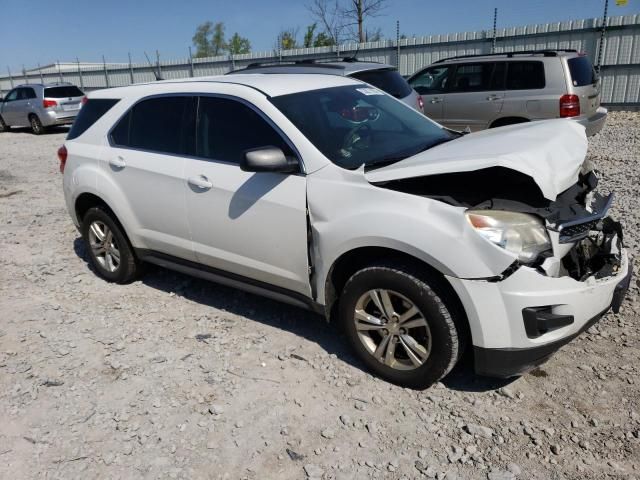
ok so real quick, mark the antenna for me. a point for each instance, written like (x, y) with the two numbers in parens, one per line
(155, 73)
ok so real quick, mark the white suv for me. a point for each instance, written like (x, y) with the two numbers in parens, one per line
(327, 193)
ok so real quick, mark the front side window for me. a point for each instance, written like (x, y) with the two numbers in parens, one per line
(525, 75)
(433, 80)
(12, 96)
(356, 125)
(227, 128)
(472, 77)
(161, 124)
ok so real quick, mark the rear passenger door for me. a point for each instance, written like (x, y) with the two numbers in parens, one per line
(526, 95)
(475, 95)
(251, 224)
(146, 163)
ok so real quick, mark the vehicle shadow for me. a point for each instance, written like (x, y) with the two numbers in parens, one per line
(300, 322)
(47, 131)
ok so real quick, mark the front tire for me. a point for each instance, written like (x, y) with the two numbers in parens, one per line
(399, 325)
(109, 249)
(3, 126)
(36, 125)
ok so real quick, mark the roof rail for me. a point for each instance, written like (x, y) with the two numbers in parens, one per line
(546, 53)
(310, 62)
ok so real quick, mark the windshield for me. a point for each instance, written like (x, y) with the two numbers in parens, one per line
(360, 125)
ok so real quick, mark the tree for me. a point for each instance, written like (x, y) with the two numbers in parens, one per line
(287, 39)
(238, 45)
(323, 40)
(308, 36)
(358, 11)
(345, 19)
(209, 39)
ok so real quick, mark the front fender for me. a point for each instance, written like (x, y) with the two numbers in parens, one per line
(347, 212)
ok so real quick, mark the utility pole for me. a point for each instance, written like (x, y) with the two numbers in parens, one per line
(190, 63)
(602, 35)
(40, 72)
(10, 77)
(398, 44)
(106, 75)
(59, 71)
(495, 29)
(158, 64)
(79, 73)
(130, 68)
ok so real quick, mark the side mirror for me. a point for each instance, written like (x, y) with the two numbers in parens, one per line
(267, 159)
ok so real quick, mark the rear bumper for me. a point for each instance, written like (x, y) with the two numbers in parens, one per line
(594, 123)
(58, 118)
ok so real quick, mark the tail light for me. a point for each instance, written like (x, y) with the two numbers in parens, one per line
(569, 106)
(49, 103)
(62, 156)
(84, 100)
(420, 103)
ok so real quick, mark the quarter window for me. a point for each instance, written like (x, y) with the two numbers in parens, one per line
(227, 128)
(162, 124)
(525, 75)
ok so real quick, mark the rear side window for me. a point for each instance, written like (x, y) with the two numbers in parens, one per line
(389, 81)
(27, 93)
(472, 77)
(227, 128)
(89, 114)
(582, 72)
(162, 124)
(525, 75)
(63, 92)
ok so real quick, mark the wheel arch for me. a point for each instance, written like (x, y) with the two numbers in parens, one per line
(353, 260)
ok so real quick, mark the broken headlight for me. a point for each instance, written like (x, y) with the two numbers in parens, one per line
(519, 233)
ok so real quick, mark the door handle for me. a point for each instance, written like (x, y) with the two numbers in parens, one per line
(435, 100)
(493, 98)
(201, 182)
(117, 162)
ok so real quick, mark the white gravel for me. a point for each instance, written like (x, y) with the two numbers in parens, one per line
(173, 377)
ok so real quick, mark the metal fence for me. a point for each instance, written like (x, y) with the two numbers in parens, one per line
(620, 70)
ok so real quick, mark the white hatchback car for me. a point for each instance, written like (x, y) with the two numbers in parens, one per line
(327, 193)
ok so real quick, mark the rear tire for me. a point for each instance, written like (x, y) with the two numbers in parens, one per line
(426, 344)
(36, 124)
(109, 250)
(3, 126)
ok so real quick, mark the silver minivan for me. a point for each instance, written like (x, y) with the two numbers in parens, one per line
(40, 106)
(487, 91)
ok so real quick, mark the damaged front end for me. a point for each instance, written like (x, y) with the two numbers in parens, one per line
(585, 243)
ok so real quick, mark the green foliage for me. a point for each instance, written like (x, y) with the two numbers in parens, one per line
(209, 40)
(238, 45)
(323, 40)
(308, 36)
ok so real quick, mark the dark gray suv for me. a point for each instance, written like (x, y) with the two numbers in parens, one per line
(380, 75)
(40, 106)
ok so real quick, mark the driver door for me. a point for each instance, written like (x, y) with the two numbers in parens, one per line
(250, 224)
(8, 107)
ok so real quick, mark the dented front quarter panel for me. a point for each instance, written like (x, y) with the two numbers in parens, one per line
(346, 212)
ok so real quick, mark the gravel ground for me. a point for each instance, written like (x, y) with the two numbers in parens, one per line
(173, 377)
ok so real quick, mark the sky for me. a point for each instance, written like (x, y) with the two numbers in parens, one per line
(45, 31)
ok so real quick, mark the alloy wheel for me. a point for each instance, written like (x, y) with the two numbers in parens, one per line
(104, 247)
(392, 329)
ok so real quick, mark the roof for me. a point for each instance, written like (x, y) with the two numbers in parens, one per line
(46, 85)
(544, 53)
(272, 85)
(345, 66)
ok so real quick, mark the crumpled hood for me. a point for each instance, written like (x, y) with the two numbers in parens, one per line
(551, 152)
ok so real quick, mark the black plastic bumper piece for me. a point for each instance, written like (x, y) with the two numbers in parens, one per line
(512, 362)
(540, 320)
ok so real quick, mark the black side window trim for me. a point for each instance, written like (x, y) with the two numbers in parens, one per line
(270, 122)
